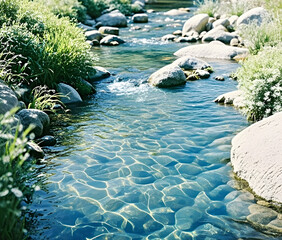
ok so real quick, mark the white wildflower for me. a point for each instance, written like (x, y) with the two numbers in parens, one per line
(18, 193)
(4, 193)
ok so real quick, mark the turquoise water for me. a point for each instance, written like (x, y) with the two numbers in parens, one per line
(137, 162)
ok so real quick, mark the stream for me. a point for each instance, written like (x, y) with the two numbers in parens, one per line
(138, 162)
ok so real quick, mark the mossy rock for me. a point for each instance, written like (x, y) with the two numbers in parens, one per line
(84, 88)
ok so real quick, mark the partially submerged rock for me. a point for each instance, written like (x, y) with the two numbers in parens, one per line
(196, 23)
(140, 18)
(111, 40)
(38, 119)
(113, 19)
(229, 98)
(168, 76)
(94, 34)
(8, 99)
(100, 73)
(169, 37)
(214, 49)
(191, 63)
(175, 12)
(256, 157)
(109, 31)
(70, 94)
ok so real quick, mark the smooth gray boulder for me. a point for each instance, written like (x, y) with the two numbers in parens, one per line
(85, 27)
(111, 40)
(90, 22)
(168, 76)
(109, 31)
(8, 99)
(255, 15)
(191, 63)
(113, 19)
(196, 23)
(93, 34)
(221, 22)
(256, 157)
(220, 34)
(100, 73)
(233, 19)
(38, 119)
(140, 18)
(214, 49)
(70, 94)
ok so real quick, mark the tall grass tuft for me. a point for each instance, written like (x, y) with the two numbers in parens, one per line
(49, 49)
(16, 178)
(268, 34)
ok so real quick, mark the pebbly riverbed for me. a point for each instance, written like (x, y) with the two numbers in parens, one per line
(137, 162)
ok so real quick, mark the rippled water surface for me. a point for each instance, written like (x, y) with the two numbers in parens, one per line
(137, 162)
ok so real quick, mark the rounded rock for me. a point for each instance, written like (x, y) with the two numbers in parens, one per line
(168, 76)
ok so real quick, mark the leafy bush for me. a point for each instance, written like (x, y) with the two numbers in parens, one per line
(51, 50)
(94, 8)
(16, 179)
(260, 78)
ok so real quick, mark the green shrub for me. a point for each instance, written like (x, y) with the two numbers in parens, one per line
(269, 33)
(51, 50)
(94, 8)
(8, 11)
(260, 78)
(16, 179)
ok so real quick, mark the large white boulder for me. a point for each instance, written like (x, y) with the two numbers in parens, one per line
(214, 49)
(113, 19)
(256, 156)
(196, 23)
(168, 76)
(255, 15)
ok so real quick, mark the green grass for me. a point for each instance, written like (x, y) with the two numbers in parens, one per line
(268, 34)
(49, 49)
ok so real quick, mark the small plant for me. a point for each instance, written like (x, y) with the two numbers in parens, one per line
(260, 78)
(16, 178)
(45, 99)
(209, 7)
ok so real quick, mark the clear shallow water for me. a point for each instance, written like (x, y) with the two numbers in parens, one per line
(137, 162)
